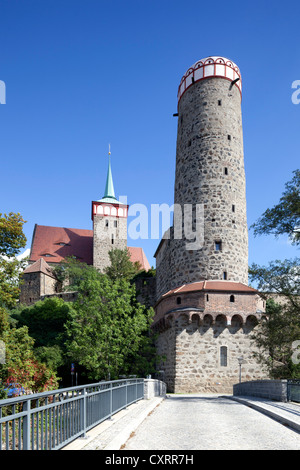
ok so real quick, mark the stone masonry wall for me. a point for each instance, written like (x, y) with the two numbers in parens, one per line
(271, 389)
(35, 285)
(198, 356)
(210, 172)
(103, 236)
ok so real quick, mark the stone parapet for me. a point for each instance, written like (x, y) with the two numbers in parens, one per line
(154, 388)
(271, 389)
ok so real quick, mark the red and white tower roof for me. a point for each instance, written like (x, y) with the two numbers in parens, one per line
(213, 66)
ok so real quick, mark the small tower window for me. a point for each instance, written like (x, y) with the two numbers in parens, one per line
(178, 300)
(115, 223)
(106, 223)
(112, 239)
(233, 208)
(219, 102)
(207, 297)
(225, 170)
(232, 298)
(225, 275)
(229, 137)
(218, 245)
(223, 356)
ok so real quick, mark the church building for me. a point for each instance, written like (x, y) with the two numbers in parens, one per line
(51, 245)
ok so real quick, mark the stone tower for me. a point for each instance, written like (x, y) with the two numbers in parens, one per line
(205, 310)
(210, 178)
(109, 224)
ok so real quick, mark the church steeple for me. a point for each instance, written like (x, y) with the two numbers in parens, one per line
(109, 187)
(109, 194)
(109, 223)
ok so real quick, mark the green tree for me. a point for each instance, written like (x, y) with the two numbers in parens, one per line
(12, 239)
(45, 321)
(20, 363)
(280, 284)
(284, 217)
(121, 267)
(108, 331)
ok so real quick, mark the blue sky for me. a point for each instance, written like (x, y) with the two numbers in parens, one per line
(81, 74)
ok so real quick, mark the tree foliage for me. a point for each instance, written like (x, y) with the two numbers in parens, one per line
(12, 239)
(108, 331)
(45, 321)
(20, 364)
(121, 267)
(280, 284)
(284, 217)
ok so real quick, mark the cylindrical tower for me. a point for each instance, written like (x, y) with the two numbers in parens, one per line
(205, 312)
(210, 173)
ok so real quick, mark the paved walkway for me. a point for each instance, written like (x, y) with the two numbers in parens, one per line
(113, 433)
(119, 433)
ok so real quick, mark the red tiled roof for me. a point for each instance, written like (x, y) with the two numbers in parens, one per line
(40, 266)
(54, 244)
(212, 285)
(137, 254)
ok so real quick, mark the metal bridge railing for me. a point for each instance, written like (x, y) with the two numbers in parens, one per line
(293, 390)
(50, 420)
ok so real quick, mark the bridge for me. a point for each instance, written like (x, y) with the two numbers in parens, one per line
(138, 414)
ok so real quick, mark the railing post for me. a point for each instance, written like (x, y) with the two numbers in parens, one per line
(84, 411)
(111, 401)
(26, 425)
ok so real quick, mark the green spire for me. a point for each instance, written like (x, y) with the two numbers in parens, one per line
(109, 194)
(109, 188)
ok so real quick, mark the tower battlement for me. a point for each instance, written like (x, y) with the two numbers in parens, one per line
(212, 66)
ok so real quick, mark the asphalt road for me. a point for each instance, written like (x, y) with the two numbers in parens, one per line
(210, 423)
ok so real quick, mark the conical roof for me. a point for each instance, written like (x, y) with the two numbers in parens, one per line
(109, 194)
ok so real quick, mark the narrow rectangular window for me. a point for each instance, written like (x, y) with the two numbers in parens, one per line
(223, 356)
(225, 275)
(218, 245)
(219, 102)
(115, 223)
(112, 239)
(106, 223)
(229, 137)
(225, 170)
(233, 208)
